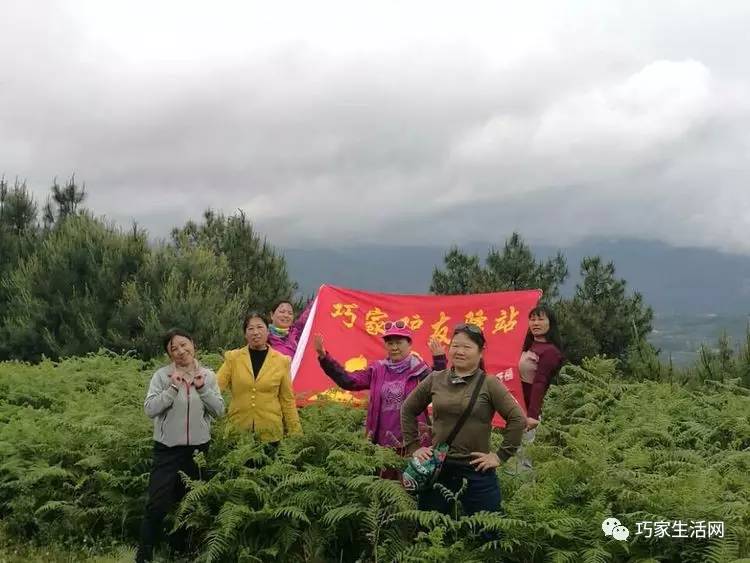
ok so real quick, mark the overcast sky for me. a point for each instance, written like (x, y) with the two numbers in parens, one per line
(419, 122)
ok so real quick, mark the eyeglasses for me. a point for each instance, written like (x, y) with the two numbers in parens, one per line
(394, 324)
(468, 327)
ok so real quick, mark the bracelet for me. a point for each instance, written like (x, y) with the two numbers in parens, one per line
(173, 386)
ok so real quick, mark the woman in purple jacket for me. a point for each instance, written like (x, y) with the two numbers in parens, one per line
(389, 380)
(284, 331)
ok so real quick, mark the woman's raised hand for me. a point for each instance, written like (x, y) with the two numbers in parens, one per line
(435, 347)
(319, 347)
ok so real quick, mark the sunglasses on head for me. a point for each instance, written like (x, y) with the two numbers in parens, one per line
(468, 327)
(394, 324)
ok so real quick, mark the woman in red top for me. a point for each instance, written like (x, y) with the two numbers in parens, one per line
(540, 361)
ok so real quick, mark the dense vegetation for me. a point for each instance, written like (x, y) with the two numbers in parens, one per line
(75, 283)
(625, 435)
(71, 283)
(75, 453)
(601, 317)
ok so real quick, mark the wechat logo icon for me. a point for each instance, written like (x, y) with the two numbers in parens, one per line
(612, 527)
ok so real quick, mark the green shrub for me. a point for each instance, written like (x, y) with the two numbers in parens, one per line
(75, 452)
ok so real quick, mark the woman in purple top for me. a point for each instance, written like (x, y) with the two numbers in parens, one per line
(389, 380)
(284, 331)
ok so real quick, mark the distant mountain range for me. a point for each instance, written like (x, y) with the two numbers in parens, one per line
(694, 292)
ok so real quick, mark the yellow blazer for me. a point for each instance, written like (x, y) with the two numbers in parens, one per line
(265, 403)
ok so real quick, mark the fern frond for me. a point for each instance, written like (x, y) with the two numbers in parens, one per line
(425, 519)
(555, 555)
(340, 513)
(723, 549)
(596, 555)
(290, 513)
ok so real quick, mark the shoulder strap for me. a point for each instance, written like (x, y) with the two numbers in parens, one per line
(469, 408)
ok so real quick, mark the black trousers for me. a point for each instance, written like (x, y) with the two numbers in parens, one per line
(482, 490)
(165, 490)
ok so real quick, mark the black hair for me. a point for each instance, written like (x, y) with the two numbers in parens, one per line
(171, 333)
(553, 334)
(280, 302)
(476, 335)
(396, 337)
(253, 315)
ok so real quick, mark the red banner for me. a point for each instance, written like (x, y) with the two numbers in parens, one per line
(351, 323)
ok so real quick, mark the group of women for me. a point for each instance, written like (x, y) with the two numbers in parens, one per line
(184, 397)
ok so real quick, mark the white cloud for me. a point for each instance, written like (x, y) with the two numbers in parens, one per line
(623, 124)
(427, 122)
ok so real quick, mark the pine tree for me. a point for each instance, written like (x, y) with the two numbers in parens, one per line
(190, 288)
(252, 261)
(514, 268)
(67, 202)
(61, 298)
(462, 275)
(19, 232)
(602, 318)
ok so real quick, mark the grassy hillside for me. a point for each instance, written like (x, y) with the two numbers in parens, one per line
(75, 453)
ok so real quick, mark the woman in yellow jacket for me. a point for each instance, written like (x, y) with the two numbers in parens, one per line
(260, 382)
